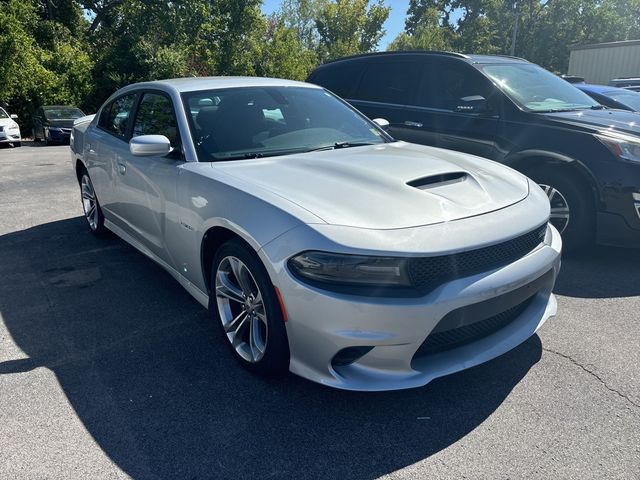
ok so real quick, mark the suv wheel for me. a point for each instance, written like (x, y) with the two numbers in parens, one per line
(572, 209)
(91, 206)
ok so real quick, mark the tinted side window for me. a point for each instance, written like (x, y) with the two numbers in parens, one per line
(390, 82)
(116, 119)
(156, 117)
(446, 82)
(340, 79)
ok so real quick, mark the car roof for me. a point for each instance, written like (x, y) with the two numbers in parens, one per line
(602, 89)
(475, 59)
(190, 84)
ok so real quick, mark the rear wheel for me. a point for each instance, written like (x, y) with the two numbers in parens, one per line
(244, 303)
(91, 206)
(572, 206)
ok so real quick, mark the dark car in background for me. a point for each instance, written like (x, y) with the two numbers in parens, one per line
(630, 83)
(612, 97)
(586, 157)
(53, 123)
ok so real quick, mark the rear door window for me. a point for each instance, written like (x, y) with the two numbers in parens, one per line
(115, 117)
(445, 82)
(390, 82)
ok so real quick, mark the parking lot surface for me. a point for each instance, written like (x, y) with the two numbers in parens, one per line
(109, 369)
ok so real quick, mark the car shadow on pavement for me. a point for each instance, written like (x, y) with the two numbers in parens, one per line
(150, 378)
(600, 272)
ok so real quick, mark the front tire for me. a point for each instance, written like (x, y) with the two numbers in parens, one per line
(91, 206)
(572, 206)
(244, 303)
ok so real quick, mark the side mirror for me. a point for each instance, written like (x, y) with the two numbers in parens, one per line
(150, 146)
(381, 122)
(14, 116)
(473, 104)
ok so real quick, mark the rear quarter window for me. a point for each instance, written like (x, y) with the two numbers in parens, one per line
(339, 79)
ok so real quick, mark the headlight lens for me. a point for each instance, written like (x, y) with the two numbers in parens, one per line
(622, 146)
(13, 126)
(354, 270)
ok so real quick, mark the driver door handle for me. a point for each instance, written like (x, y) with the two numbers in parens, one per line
(122, 168)
(410, 123)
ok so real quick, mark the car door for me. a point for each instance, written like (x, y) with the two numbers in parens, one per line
(105, 146)
(146, 187)
(38, 131)
(441, 115)
(385, 89)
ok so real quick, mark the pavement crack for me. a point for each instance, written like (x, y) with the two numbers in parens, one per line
(594, 375)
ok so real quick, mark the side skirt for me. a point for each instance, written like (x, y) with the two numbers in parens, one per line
(195, 292)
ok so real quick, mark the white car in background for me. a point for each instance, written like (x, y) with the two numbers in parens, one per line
(9, 129)
(319, 244)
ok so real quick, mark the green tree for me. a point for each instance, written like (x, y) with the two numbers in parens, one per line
(348, 27)
(425, 34)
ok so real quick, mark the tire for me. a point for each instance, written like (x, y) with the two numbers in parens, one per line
(267, 351)
(564, 186)
(91, 207)
(35, 137)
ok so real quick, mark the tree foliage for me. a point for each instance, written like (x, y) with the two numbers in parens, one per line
(547, 28)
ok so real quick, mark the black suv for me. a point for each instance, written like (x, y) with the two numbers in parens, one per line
(586, 157)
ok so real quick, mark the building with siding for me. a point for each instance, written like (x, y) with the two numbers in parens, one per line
(601, 62)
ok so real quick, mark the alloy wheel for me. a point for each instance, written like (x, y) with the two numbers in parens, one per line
(560, 211)
(241, 307)
(89, 202)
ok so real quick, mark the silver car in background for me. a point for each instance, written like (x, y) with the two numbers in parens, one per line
(319, 244)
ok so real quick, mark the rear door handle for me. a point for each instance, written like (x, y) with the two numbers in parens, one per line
(410, 123)
(122, 168)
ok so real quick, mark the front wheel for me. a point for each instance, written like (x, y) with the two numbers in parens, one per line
(91, 206)
(572, 206)
(244, 303)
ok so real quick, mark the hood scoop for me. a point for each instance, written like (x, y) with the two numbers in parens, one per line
(437, 180)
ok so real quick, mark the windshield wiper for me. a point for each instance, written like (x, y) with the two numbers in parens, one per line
(343, 144)
(597, 107)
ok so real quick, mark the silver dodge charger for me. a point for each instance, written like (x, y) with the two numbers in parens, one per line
(319, 244)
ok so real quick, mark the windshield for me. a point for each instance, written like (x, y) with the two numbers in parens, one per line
(628, 98)
(3, 114)
(252, 122)
(536, 89)
(62, 113)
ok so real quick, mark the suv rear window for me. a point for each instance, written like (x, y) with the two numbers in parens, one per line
(390, 82)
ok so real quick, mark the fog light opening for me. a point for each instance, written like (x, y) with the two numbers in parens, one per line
(348, 355)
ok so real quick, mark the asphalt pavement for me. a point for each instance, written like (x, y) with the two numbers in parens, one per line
(109, 369)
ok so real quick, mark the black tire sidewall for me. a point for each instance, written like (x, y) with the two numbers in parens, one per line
(275, 361)
(580, 231)
(100, 231)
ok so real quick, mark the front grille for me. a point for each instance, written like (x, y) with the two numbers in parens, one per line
(429, 272)
(1, 129)
(456, 337)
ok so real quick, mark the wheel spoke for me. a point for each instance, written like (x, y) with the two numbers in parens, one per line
(236, 324)
(239, 332)
(255, 341)
(242, 276)
(227, 289)
(91, 211)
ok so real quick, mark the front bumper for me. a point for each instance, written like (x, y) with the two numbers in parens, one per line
(322, 323)
(59, 135)
(619, 215)
(10, 135)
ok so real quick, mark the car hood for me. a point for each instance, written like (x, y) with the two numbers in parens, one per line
(62, 122)
(388, 186)
(5, 122)
(612, 120)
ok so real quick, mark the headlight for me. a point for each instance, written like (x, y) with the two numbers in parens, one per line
(350, 270)
(13, 126)
(622, 146)
(54, 129)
